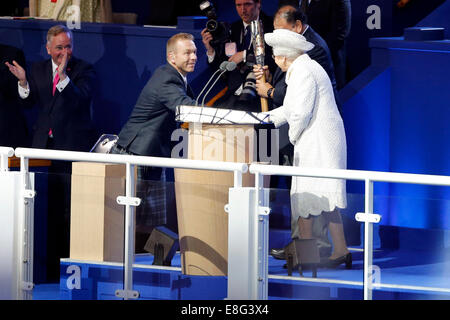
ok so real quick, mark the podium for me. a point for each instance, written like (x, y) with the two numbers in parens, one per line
(201, 195)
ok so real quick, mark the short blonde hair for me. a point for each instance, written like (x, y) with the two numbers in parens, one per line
(171, 43)
(55, 30)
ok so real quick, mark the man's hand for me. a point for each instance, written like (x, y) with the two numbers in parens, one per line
(18, 72)
(262, 71)
(206, 38)
(262, 86)
(238, 57)
(63, 66)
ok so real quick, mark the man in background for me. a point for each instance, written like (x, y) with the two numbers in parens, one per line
(240, 93)
(332, 20)
(62, 88)
(148, 130)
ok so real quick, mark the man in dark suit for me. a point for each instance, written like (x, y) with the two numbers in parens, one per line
(239, 49)
(13, 126)
(289, 17)
(148, 130)
(62, 87)
(332, 20)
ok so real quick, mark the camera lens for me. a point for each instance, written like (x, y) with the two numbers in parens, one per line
(211, 25)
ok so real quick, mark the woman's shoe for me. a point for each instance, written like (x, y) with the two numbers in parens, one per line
(334, 263)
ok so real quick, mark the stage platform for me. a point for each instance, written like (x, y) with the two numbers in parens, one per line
(400, 275)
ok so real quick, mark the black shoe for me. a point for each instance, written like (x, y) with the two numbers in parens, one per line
(277, 254)
(334, 263)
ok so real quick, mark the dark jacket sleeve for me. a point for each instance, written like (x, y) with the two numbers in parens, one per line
(341, 23)
(173, 94)
(280, 87)
(80, 88)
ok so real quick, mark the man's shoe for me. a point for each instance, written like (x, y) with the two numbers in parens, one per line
(278, 254)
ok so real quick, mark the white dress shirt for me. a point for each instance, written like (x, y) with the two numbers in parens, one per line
(25, 92)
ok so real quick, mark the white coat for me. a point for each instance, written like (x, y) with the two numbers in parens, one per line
(317, 132)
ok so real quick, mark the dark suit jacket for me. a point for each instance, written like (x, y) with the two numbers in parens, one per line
(13, 126)
(68, 113)
(331, 19)
(152, 121)
(235, 78)
(319, 53)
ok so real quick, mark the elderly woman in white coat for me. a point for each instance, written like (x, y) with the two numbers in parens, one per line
(317, 132)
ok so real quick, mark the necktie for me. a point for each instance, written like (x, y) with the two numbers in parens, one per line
(247, 38)
(55, 81)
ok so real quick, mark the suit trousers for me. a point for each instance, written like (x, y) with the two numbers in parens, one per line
(151, 189)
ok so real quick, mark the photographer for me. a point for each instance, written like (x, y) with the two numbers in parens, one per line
(241, 93)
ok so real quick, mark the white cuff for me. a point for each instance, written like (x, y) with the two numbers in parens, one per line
(24, 92)
(62, 84)
(211, 58)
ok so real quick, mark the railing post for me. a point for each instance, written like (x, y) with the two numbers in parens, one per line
(129, 201)
(25, 234)
(368, 240)
(369, 218)
(237, 179)
(247, 242)
(261, 240)
(3, 162)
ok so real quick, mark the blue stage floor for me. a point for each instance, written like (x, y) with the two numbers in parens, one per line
(399, 275)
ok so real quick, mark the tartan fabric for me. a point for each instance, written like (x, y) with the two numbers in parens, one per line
(151, 189)
(152, 192)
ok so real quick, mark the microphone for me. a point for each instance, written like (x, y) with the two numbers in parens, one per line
(222, 67)
(228, 66)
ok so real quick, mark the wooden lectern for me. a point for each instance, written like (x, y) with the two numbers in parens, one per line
(201, 195)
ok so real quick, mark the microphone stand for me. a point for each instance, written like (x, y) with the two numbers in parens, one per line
(221, 68)
(212, 86)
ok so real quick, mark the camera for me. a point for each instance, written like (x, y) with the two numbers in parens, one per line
(219, 30)
(249, 89)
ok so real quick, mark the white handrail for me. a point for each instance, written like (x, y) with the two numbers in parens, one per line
(5, 153)
(368, 217)
(378, 176)
(131, 159)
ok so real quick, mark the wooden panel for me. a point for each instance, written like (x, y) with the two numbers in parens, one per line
(97, 221)
(201, 196)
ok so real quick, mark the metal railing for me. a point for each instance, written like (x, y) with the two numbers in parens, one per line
(129, 201)
(368, 216)
(259, 224)
(5, 153)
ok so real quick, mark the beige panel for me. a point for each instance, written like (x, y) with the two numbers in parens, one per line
(97, 221)
(201, 196)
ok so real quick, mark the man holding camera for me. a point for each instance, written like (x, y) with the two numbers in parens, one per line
(241, 90)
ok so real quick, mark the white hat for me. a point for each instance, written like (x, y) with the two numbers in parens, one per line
(287, 43)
